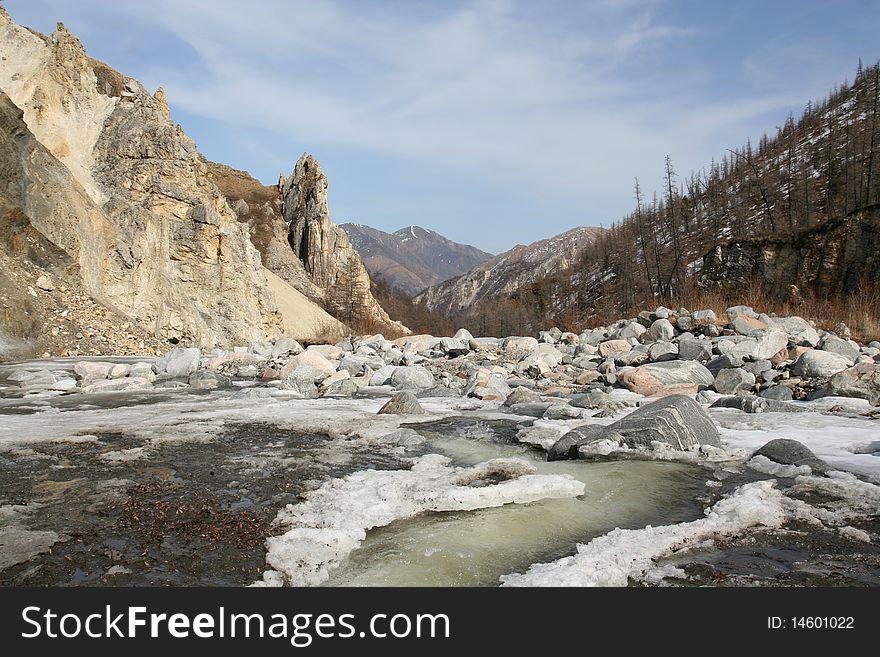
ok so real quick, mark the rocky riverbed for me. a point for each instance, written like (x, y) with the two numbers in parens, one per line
(671, 448)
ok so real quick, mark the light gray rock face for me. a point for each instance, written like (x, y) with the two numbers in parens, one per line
(410, 378)
(845, 348)
(661, 330)
(463, 334)
(694, 349)
(285, 346)
(817, 363)
(798, 330)
(526, 343)
(733, 380)
(341, 388)
(675, 420)
(861, 381)
(179, 362)
(667, 378)
(208, 380)
(662, 351)
(403, 403)
(792, 452)
(629, 330)
(324, 249)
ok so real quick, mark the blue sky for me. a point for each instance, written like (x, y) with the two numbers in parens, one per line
(493, 122)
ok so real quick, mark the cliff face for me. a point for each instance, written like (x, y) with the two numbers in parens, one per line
(124, 193)
(325, 252)
(832, 258)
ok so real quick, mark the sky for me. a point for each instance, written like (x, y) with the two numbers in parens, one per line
(493, 122)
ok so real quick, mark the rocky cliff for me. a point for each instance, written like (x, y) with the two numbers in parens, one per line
(323, 248)
(829, 259)
(505, 273)
(412, 258)
(152, 237)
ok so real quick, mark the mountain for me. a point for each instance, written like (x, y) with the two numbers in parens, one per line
(503, 274)
(110, 205)
(412, 258)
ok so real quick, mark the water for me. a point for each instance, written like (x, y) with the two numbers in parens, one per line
(476, 548)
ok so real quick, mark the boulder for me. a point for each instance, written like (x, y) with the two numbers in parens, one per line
(798, 330)
(676, 420)
(663, 351)
(519, 343)
(179, 363)
(753, 404)
(453, 347)
(403, 403)
(777, 393)
(522, 395)
(614, 347)
(733, 380)
(694, 349)
(118, 371)
(487, 385)
(846, 348)
(667, 378)
(410, 378)
(746, 325)
(88, 371)
(285, 346)
(704, 316)
(464, 335)
(382, 376)
(629, 330)
(341, 388)
(740, 311)
(118, 385)
(309, 358)
(791, 452)
(417, 343)
(816, 363)
(861, 381)
(328, 351)
(208, 380)
(661, 330)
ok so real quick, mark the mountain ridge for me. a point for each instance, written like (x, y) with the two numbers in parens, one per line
(412, 258)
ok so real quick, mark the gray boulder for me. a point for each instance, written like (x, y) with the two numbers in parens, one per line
(341, 388)
(704, 316)
(816, 363)
(88, 371)
(403, 403)
(208, 380)
(661, 330)
(694, 349)
(453, 347)
(522, 395)
(732, 380)
(798, 330)
(179, 363)
(792, 452)
(663, 351)
(676, 420)
(861, 381)
(410, 378)
(777, 393)
(284, 346)
(845, 348)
